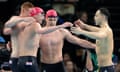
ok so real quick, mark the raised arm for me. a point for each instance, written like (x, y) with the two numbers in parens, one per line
(16, 20)
(86, 26)
(46, 30)
(10, 24)
(13, 21)
(75, 40)
(19, 22)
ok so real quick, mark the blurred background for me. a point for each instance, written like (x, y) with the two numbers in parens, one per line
(70, 10)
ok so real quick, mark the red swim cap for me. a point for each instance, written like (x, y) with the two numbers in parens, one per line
(51, 12)
(35, 11)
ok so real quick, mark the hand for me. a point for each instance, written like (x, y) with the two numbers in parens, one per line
(76, 30)
(79, 23)
(8, 45)
(67, 24)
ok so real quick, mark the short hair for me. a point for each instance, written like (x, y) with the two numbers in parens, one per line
(27, 5)
(105, 12)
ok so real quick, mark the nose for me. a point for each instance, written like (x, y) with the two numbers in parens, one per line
(43, 17)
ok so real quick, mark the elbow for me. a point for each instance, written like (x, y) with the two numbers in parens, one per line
(40, 32)
(7, 31)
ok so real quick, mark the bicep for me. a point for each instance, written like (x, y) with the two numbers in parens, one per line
(101, 34)
(92, 28)
(69, 37)
(97, 35)
(11, 20)
(37, 28)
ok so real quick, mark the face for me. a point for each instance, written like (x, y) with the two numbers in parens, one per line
(51, 21)
(26, 11)
(66, 57)
(39, 17)
(84, 17)
(69, 65)
(98, 18)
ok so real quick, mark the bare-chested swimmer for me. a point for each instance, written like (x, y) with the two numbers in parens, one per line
(51, 45)
(103, 36)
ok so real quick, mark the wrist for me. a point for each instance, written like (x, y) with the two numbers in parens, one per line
(84, 25)
(62, 26)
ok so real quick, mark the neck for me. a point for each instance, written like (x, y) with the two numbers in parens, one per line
(104, 24)
(48, 25)
(23, 14)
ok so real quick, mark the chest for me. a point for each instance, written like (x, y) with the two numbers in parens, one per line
(52, 38)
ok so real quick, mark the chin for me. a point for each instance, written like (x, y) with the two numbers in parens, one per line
(52, 25)
(40, 22)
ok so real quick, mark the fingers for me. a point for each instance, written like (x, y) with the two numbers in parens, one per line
(77, 25)
(72, 28)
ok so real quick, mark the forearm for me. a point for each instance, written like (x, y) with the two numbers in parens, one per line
(86, 44)
(89, 65)
(11, 24)
(81, 42)
(49, 29)
(90, 28)
(93, 35)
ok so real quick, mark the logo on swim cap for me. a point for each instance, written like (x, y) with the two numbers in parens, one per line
(35, 11)
(51, 12)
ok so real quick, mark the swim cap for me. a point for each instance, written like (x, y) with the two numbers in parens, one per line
(51, 12)
(35, 11)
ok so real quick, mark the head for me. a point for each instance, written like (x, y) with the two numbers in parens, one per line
(37, 13)
(25, 8)
(101, 15)
(83, 16)
(66, 57)
(69, 65)
(51, 17)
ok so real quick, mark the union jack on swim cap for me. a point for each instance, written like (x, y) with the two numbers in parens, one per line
(35, 11)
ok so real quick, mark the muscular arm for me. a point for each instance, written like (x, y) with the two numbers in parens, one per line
(90, 28)
(19, 22)
(13, 21)
(10, 24)
(89, 64)
(75, 40)
(82, 25)
(94, 35)
(46, 30)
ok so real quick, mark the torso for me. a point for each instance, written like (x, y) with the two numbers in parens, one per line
(104, 49)
(28, 41)
(14, 40)
(51, 45)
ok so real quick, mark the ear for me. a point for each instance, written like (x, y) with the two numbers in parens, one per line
(103, 16)
(46, 19)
